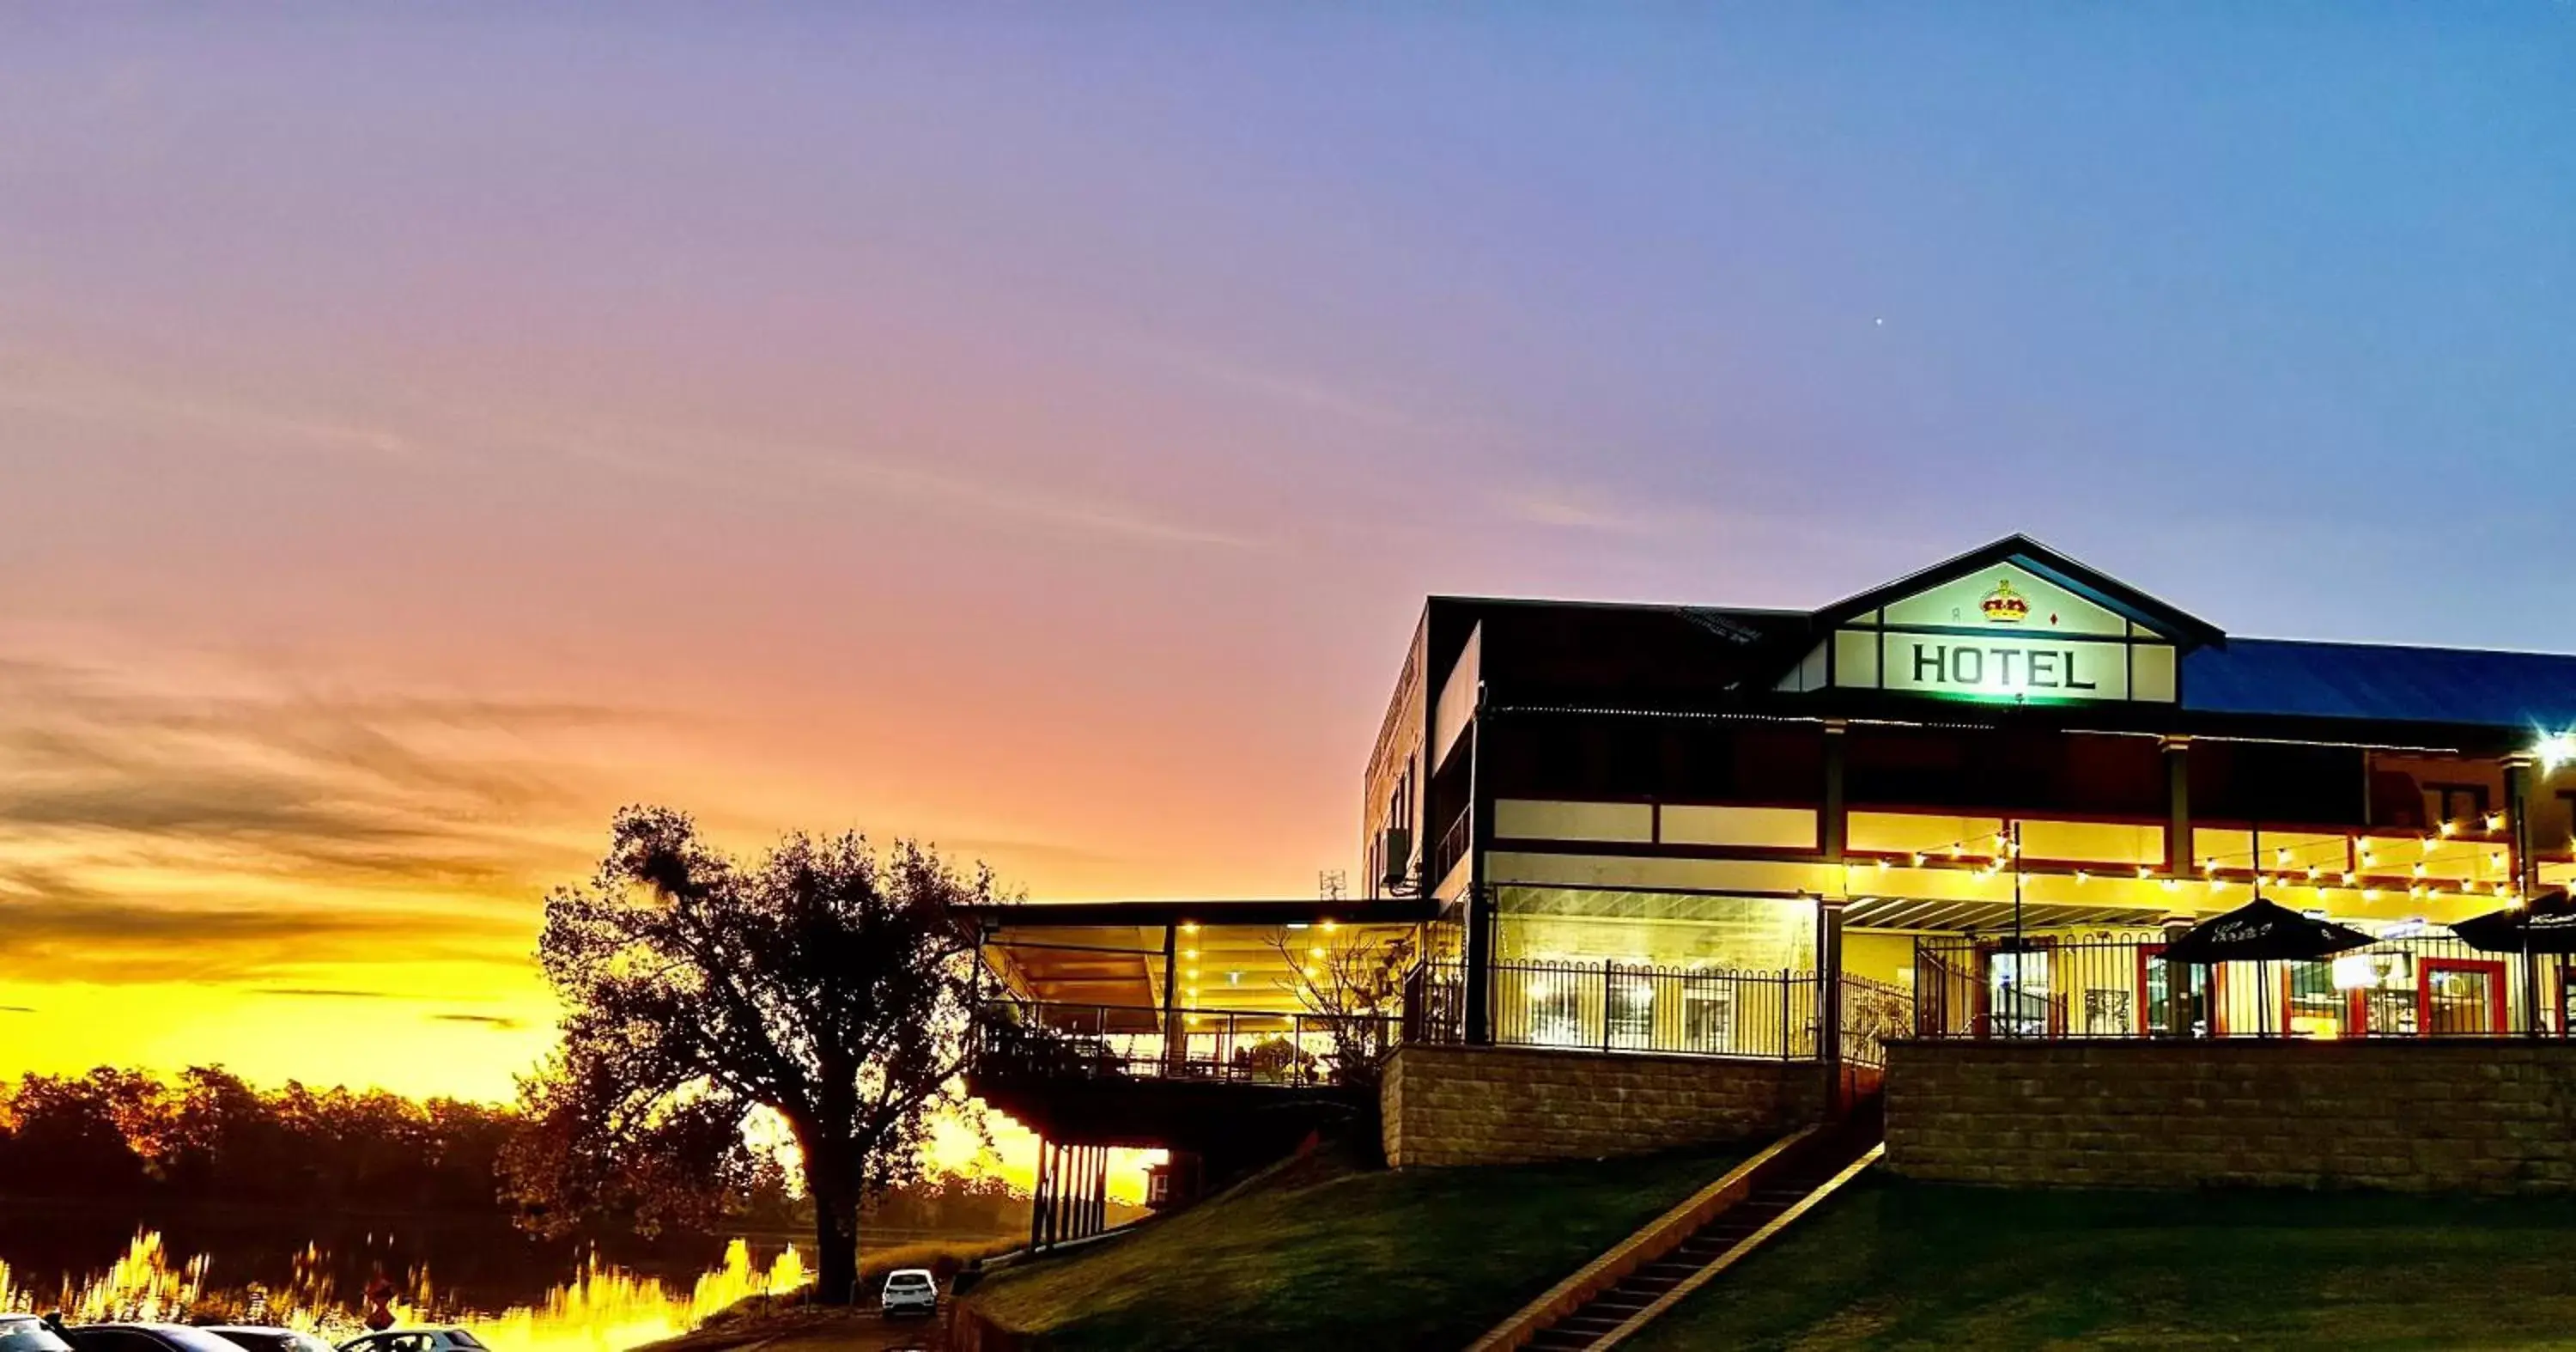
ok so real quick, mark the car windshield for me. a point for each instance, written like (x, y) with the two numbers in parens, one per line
(909, 1279)
(461, 1338)
(27, 1335)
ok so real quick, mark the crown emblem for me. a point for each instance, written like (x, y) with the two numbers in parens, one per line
(2004, 605)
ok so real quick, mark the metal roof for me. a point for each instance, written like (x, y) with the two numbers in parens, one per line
(2285, 678)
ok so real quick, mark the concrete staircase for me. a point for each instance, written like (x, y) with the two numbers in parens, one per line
(1652, 1270)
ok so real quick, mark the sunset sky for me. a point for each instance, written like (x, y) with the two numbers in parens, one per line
(424, 429)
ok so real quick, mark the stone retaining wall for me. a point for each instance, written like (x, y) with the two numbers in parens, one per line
(1506, 1105)
(2406, 1115)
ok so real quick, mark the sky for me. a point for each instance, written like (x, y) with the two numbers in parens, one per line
(1034, 429)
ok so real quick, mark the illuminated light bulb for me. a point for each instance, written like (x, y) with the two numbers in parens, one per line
(2496, 860)
(1314, 952)
(2145, 873)
(2350, 878)
(2370, 894)
(2281, 856)
(2313, 871)
(1189, 927)
(1329, 927)
(2450, 828)
(2419, 870)
(2080, 879)
(1189, 952)
(2367, 857)
(2495, 821)
(2428, 844)
(1310, 973)
(2172, 884)
(1918, 859)
(1882, 865)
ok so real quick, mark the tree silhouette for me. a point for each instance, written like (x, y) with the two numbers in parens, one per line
(825, 982)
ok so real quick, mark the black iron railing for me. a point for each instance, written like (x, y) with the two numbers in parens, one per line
(1627, 1007)
(1872, 1013)
(1079, 1041)
(2426, 986)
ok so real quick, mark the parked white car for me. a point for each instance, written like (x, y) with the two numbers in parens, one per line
(415, 1340)
(27, 1333)
(910, 1291)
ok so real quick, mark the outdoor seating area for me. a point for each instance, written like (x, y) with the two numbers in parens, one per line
(2260, 972)
(1614, 1007)
(1102, 1042)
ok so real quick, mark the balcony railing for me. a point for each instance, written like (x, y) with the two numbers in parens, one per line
(1098, 1042)
(1626, 1007)
(2415, 987)
(1872, 1013)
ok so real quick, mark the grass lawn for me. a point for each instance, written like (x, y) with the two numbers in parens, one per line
(1321, 1255)
(1889, 1264)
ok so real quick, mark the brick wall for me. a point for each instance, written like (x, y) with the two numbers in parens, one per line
(1505, 1105)
(2413, 1116)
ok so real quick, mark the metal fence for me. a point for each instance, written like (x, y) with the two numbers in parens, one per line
(1079, 1041)
(1618, 1007)
(1872, 1013)
(2038, 987)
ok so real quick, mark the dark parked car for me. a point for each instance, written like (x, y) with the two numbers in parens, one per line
(27, 1333)
(143, 1338)
(259, 1338)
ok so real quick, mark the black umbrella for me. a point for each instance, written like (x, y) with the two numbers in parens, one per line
(2262, 931)
(2547, 925)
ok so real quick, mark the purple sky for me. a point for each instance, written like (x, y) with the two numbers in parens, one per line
(424, 428)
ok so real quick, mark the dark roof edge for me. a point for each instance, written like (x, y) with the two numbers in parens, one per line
(2055, 565)
(1205, 911)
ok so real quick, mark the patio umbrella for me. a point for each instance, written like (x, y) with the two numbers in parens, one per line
(2262, 931)
(2547, 925)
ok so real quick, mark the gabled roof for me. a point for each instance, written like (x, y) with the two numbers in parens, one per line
(2092, 584)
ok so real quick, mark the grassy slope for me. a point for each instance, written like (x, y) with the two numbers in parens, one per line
(1323, 1256)
(1890, 1264)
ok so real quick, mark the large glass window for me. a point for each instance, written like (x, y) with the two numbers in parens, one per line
(1692, 931)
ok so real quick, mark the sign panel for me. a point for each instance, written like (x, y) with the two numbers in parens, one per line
(2005, 666)
(2006, 599)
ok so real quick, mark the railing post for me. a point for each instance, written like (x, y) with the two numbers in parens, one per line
(1606, 965)
(1786, 1005)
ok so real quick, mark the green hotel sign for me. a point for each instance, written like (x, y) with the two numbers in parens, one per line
(2000, 634)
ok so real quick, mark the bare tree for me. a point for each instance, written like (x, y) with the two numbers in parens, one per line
(825, 982)
(1354, 987)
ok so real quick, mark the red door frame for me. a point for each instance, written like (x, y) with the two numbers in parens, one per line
(2356, 1007)
(2426, 967)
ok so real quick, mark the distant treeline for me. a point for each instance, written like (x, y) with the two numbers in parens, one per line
(139, 1142)
(208, 1137)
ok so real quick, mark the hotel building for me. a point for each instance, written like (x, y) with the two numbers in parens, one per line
(1971, 803)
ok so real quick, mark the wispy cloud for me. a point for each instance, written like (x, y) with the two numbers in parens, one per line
(486, 1020)
(79, 394)
(270, 831)
(715, 458)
